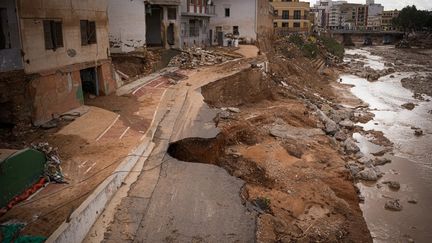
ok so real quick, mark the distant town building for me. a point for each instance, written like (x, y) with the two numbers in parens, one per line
(387, 19)
(241, 20)
(291, 16)
(374, 15)
(321, 11)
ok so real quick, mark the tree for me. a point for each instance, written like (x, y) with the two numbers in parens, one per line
(410, 19)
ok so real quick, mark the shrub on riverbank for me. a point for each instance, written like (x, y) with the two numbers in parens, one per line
(332, 46)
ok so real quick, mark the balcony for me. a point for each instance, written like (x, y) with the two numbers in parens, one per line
(283, 31)
(197, 10)
(305, 17)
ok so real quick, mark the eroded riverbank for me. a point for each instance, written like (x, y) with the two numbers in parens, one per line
(404, 117)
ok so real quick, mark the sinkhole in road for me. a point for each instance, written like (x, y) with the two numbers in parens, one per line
(213, 151)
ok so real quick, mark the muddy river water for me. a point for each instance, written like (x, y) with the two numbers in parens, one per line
(411, 157)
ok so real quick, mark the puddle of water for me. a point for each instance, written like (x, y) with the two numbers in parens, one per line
(411, 163)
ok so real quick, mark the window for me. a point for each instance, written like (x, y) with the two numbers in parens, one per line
(236, 30)
(297, 14)
(172, 13)
(296, 25)
(227, 12)
(88, 32)
(4, 33)
(285, 14)
(285, 25)
(276, 12)
(193, 28)
(275, 24)
(53, 34)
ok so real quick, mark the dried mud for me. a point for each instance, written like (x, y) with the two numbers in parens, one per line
(299, 183)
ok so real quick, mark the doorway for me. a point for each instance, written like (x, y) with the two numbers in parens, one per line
(89, 82)
(153, 26)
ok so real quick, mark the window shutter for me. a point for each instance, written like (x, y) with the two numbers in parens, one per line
(83, 26)
(58, 34)
(47, 35)
(92, 32)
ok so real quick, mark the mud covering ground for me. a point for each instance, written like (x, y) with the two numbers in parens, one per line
(414, 60)
(295, 175)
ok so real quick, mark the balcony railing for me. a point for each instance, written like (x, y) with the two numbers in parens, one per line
(286, 31)
(199, 10)
(305, 17)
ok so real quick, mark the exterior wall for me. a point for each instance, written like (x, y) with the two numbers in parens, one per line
(10, 58)
(295, 5)
(127, 25)
(387, 19)
(242, 14)
(265, 17)
(203, 32)
(200, 12)
(158, 35)
(374, 16)
(36, 58)
(58, 87)
(55, 94)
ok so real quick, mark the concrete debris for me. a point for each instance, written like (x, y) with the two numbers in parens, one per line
(393, 205)
(331, 127)
(412, 201)
(53, 171)
(351, 146)
(354, 168)
(197, 57)
(365, 161)
(347, 123)
(224, 114)
(370, 174)
(381, 161)
(234, 109)
(394, 185)
(340, 136)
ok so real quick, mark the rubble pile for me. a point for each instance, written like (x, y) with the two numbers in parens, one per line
(197, 57)
(53, 171)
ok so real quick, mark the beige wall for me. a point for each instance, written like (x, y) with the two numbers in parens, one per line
(32, 14)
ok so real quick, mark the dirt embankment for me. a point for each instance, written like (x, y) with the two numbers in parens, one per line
(295, 174)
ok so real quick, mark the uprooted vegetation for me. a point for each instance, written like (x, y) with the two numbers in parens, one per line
(295, 177)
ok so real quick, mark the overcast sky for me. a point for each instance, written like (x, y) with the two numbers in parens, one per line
(395, 4)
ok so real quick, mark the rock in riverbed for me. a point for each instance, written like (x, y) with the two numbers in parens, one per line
(351, 146)
(331, 127)
(394, 185)
(369, 174)
(381, 161)
(408, 106)
(393, 205)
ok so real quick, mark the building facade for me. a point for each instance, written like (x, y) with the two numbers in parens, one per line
(163, 23)
(127, 25)
(291, 16)
(374, 15)
(64, 47)
(387, 19)
(195, 21)
(242, 20)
